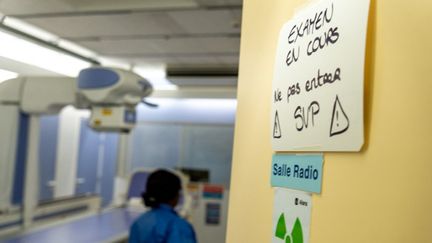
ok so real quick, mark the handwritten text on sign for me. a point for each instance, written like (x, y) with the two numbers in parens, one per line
(318, 78)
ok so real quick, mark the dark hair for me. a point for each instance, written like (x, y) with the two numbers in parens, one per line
(162, 187)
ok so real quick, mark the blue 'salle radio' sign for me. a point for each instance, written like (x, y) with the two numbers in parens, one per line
(300, 172)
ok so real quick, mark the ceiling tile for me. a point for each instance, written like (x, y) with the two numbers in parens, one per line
(108, 25)
(167, 47)
(30, 7)
(38, 7)
(207, 21)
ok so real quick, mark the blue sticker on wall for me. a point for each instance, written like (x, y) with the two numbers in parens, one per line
(299, 172)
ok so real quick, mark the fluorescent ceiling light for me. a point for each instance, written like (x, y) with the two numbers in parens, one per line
(114, 63)
(24, 51)
(5, 75)
(165, 87)
(70, 46)
(156, 75)
(156, 72)
(30, 29)
(44, 35)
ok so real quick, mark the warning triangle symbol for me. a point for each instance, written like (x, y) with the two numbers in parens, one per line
(340, 120)
(276, 128)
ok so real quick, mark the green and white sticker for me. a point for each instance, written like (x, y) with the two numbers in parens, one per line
(291, 216)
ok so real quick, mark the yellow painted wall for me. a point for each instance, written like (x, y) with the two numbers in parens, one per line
(382, 194)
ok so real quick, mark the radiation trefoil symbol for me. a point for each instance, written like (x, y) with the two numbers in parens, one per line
(296, 235)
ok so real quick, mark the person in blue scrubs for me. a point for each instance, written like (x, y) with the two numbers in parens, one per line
(162, 224)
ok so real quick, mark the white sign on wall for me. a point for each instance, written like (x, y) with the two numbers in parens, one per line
(291, 216)
(318, 78)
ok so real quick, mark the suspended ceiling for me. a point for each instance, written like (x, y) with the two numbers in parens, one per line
(184, 34)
